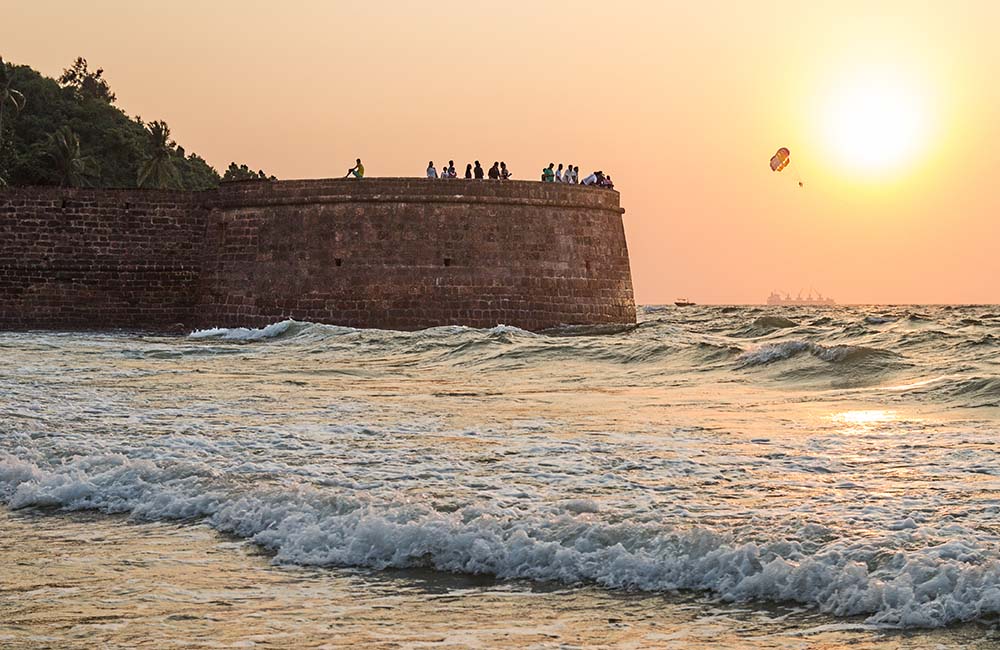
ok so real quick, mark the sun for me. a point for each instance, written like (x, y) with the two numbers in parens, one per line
(876, 124)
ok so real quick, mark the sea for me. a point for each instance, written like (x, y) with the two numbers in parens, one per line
(713, 477)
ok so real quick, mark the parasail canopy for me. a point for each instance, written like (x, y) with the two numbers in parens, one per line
(780, 159)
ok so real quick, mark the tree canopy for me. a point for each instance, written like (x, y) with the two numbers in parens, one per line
(47, 124)
(243, 173)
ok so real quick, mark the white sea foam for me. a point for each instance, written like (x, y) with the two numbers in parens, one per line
(242, 333)
(651, 459)
(932, 585)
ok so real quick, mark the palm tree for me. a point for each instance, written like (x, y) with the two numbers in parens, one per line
(158, 169)
(72, 168)
(8, 95)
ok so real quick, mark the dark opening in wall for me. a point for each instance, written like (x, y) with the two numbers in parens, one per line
(64, 204)
(126, 206)
(447, 261)
(337, 261)
(587, 264)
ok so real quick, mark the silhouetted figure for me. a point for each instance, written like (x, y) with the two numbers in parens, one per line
(431, 171)
(451, 169)
(478, 171)
(358, 171)
(468, 172)
(495, 171)
(504, 172)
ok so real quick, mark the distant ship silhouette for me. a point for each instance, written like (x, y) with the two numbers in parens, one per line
(777, 299)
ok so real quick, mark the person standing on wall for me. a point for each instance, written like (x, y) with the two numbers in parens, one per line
(468, 171)
(358, 171)
(478, 171)
(495, 171)
(504, 172)
(431, 171)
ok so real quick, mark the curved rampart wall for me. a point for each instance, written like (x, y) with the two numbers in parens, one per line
(387, 253)
(413, 253)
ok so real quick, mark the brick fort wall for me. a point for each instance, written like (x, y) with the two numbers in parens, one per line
(387, 253)
(98, 259)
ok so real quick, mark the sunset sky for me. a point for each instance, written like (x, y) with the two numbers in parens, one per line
(891, 111)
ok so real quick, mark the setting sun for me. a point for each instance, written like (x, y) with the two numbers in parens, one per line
(877, 124)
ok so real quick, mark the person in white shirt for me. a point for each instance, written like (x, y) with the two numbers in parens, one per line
(559, 173)
(568, 175)
(431, 172)
(590, 180)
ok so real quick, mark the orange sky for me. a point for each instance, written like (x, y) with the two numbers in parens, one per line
(682, 102)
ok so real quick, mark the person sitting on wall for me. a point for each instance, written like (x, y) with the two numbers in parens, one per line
(358, 170)
(478, 171)
(504, 172)
(495, 171)
(431, 171)
(593, 179)
(549, 174)
(606, 183)
(576, 174)
(468, 171)
(451, 169)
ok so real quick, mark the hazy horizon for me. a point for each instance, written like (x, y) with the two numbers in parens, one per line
(889, 113)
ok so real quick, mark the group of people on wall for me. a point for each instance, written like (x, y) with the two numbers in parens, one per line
(571, 175)
(498, 172)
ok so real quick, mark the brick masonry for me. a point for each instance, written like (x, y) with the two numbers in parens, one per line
(387, 253)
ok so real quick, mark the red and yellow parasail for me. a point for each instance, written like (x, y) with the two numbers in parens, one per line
(780, 159)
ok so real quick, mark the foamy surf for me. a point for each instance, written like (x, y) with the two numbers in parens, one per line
(844, 466)
(900, 577)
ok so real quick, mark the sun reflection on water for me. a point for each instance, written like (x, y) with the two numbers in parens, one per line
(863, 421)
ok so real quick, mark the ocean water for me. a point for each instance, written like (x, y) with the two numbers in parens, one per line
(715, 476)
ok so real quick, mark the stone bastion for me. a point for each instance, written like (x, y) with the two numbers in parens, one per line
(388, 253)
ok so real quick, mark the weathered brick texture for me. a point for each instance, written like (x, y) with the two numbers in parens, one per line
(388, 253)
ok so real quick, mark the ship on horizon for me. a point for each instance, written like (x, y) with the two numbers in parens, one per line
(819, 299)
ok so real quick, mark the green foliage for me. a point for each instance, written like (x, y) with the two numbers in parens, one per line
(158, 169)
(70, 167)
(119, 146)
(244, 173)
(87, 84)
(10, 99)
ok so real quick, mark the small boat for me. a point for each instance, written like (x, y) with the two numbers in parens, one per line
(683, 302)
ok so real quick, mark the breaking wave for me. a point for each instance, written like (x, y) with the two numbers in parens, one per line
(915, 585)
(775, 352)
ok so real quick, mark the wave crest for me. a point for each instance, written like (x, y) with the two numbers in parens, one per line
(922, 586)
(774, 352)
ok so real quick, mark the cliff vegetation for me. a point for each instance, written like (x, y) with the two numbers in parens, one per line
(69, 132)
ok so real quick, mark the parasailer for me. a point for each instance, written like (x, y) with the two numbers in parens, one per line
(781, 159)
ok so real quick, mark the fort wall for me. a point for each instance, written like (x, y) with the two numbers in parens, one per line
(387, 253)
